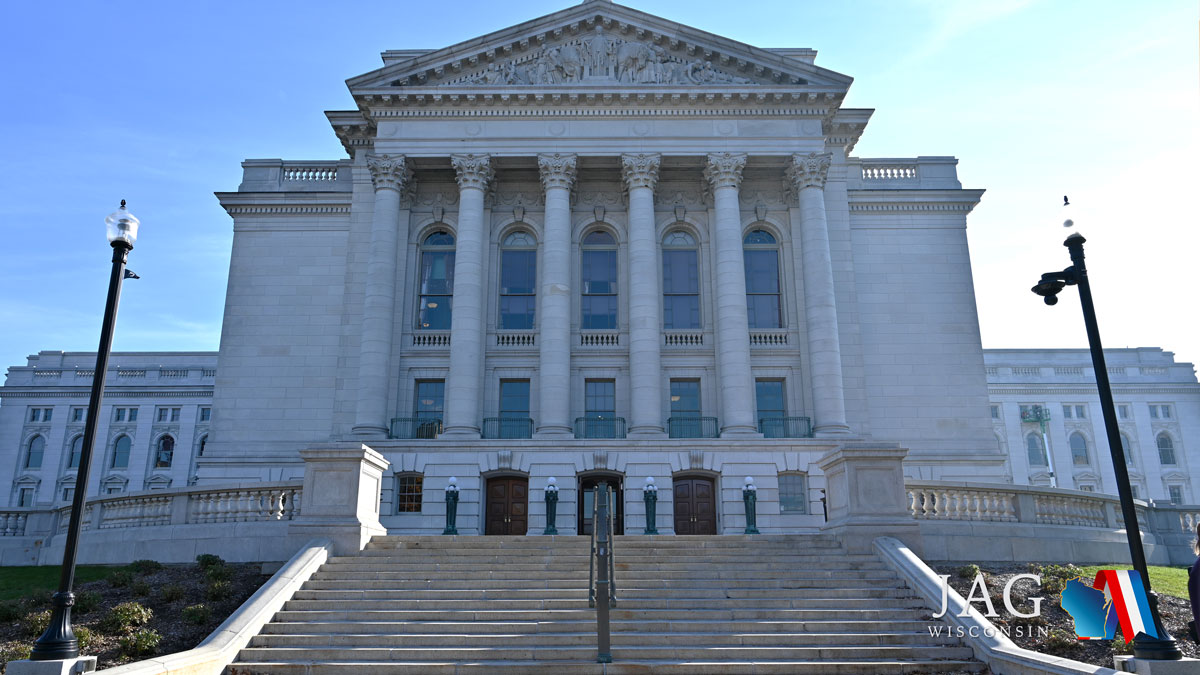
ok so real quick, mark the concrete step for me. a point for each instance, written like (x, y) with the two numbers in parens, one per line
(371, 583)
(464, 626)
(578, 591)
(455, 571)
(625, 601)
(590, 667)
(619, 653)
(584, 613)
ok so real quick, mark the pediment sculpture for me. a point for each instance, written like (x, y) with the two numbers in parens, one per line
(601, 59)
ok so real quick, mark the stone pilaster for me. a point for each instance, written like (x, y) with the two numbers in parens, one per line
(554, 298)
(808, 174)
(645, 318)
(724, 174)
(389, 225)
(462, 419)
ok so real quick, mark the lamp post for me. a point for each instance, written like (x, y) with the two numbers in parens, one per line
(1161, 646)
(1041, 415)
(551, 505)
(59, 642)
(451, 506)
(750, 499)
(650, 499)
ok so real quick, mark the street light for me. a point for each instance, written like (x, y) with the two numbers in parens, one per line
(1163, 647)
(59, 642)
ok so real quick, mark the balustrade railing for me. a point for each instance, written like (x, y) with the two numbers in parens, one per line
(768, 338)
(245, 504)
(889, 172)
(12, 523)
(136, 512)
(310, 172)
(190, 506)
(599, 427)
(692, 427)
(785, 427)
(415, 427)
(683, 339)
(947, 503)
(600, 339)
(431, 339)
(516, 340)
(1062, 510)
(507, 427)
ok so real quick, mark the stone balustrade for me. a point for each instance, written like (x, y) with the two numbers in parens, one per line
(235, 506)
(276, 175)
(955, 503)
(12, 523)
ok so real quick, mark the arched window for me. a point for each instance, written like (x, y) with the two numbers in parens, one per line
(437, 281)
(203, 442)
(1127, 449)
(518, 281)
(1166, 449)
(76, 453)
(761, 255)
(165, 453)
(34, 452)
(1037, 454)
(1079, 450)
(120, 457)
(681, 282)
(599, 266)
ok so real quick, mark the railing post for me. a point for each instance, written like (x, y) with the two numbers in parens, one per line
(600, 527)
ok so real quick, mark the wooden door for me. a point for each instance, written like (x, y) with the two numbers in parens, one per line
(507, 506)
(695, 506)
(587, 486)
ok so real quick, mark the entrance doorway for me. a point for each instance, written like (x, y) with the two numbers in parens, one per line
(695, 505)
(507, 506)
(587, 485)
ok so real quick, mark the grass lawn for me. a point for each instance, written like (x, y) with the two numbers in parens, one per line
(17, 582)
(1164, 580)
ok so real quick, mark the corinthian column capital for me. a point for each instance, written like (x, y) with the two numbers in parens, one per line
(557, 170)
(809, 170)
(725, 169)
(389, 172)
(640, 170)
(472, 171)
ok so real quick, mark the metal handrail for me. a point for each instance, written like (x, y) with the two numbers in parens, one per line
(415, 427)
(603, 587)
(612, 595)
(507, 427)
(785, 427)
(688, 426)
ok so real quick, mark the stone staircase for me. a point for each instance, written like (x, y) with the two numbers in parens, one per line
(696, 605)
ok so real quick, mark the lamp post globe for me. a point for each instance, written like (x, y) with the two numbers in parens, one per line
(122, 227)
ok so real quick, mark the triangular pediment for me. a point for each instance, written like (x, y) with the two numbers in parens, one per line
(599, 44)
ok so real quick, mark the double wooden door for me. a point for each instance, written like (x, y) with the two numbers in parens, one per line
(587, 487)
(695, 506)
(507, 506)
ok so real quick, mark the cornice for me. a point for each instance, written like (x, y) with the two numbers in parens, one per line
(282, 203)
(1076, 390)
(118, 393)
(937, 200)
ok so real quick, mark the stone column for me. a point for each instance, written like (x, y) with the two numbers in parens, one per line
(474, 172)
(645, 319)
(808, 173)
(391, 176)
(554, 298)
(724, 174)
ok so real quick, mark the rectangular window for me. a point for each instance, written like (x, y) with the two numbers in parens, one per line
(762, 288)
(514, 398)
(518, 284)
(685, 398)
(1133, 490)
(793, 494)
(600, 398)
(429, 399)
(113, 491)
(168, 415)
(1164, 409)
(1123, 411)
(1066, 412)
(1087, 488)
(25, 497)
(174, 414)
(133, 414)
(1080, 412)
(408, 492)
(78, 414)
(769, 396)
(995, 412)
(1154, 412)
(68, 494)
(681, 290)
(35, 414)
(599, 290)
(205, 414)
(1176, 493)
(125, 414)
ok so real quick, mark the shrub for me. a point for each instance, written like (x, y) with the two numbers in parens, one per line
(197, 614)
(145, 566)
(207, 560)
(220, 572)
(11, 611)
(140, 643)
(968, 571)
(218, 590)
(140, 588)
(39, 598)
(85, 637)
(172, 593)
(86, 601)
(15, 651)
(1059, 641)
(120, 578)
(1119, 646)
(125, 617)
(35, 623)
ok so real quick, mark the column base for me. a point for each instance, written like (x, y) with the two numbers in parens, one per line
(369, 431)
(740, 432)
(554, 432)
(827, 430)
(646, 432)
(465, 433)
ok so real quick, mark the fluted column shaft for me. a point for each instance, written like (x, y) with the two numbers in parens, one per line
(554, 298)
(808, 174)
(645, 320)
(390, 175)
(461, 414)
(724, 174)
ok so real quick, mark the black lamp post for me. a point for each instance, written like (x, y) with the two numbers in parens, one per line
(58, 642)
(1163, 647)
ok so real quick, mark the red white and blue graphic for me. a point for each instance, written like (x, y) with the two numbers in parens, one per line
(1115, 597)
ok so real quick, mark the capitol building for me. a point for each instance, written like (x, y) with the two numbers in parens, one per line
(600, 246)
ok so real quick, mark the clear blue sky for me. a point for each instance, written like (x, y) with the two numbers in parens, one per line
(158, 103)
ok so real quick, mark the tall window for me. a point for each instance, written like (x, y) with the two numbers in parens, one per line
(120, 458)
(437, 281)
(408, 492)
(164, 453)
(1127, 449)
(514, 399)
(600, 398)
(681, 282)
(1166, 449)
(1079, 450)
(768, 395)
(34, 452)
(78, 414)
(1037, 453)
(762, 280)
(428, 403)
(793, 494)
(518, 281)
(1175, 492)
(599, 265)
(76, 453)
(685, 398)
(203, 442)
(205, 414)
(25, 497)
